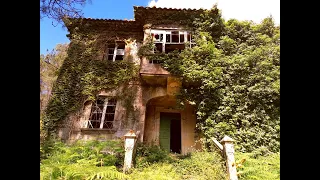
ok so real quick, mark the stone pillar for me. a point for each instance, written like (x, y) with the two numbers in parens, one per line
(129, 143)
(228, 150)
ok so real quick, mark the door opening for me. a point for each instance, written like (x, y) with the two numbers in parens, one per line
(170, 132)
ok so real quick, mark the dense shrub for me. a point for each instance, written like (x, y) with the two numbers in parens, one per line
(202, 165)
(234, 83)
(146, 155)
(83, 160)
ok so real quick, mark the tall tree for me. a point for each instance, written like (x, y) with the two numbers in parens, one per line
(58, 9)
(49, 68)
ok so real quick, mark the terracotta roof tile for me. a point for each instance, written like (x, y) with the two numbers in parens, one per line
(164, 8)
(101, 19)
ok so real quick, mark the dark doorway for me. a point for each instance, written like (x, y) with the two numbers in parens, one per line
(175, 132)
(170, 132)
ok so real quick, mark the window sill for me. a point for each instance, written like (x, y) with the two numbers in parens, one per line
(97, 130)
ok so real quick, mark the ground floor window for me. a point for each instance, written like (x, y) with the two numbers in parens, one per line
(102, 113)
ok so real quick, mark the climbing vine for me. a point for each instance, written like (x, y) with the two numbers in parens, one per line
(232, 76)
(82, 76)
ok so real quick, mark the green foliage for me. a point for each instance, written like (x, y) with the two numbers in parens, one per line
(49, 69)
(146, 155)
(157, 171)
(83, 160)
(202, 165)
(197, 165)
(81, 77)
(234, 81)
(146, 48)
(258, 167)
(210, 21)
(180, 18)
(110, 152)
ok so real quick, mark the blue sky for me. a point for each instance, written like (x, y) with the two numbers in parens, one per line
(50, 36)
(254, 10)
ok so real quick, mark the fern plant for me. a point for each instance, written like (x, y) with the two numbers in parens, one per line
(84, 160)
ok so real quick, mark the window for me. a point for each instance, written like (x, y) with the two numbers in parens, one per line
(115, 51)
(175, 36)
(170, 40)
(181, 37)
(191, 39)
(102, 113)
(157, 37)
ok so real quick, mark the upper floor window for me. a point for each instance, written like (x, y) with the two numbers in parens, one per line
(102, 113)
(115, 51)
(170, 40)
(171, 36)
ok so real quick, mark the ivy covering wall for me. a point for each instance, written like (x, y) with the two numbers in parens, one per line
(82, 76)
(232, 76)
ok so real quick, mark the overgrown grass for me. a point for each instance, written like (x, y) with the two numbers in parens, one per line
(156, 164)
(255, 166)
(104, 160)
(83, 160)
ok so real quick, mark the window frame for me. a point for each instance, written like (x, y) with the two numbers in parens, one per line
(116, 51)
(103, 116)
(168, 32)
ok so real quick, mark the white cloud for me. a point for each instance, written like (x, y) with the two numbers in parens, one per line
(254, 10)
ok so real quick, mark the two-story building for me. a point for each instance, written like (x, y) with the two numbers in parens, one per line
(155, 117)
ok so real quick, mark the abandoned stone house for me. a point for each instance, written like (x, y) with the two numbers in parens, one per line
(156, 118)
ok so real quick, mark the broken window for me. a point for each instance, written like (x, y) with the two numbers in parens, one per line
(115, 51)
(102, 113)
(170, 40)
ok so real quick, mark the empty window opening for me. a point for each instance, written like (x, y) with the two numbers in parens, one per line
(175, 36)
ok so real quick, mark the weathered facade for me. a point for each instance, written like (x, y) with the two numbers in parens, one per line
(153, 115)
